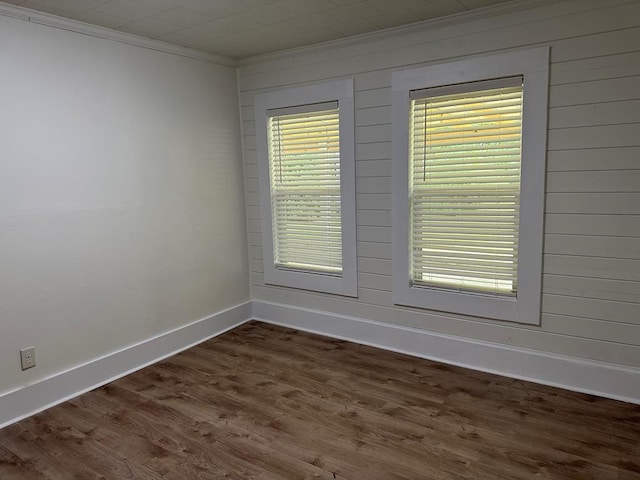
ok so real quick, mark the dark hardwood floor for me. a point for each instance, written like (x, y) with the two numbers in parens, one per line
(264, 402)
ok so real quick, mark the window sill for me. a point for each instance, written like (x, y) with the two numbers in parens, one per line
(317, 282)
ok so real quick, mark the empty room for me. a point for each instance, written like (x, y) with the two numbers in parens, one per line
(320, 239)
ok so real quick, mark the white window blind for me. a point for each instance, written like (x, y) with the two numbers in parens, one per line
(464, 186)
(304, 171)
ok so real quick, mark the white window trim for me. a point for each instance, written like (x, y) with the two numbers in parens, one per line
(533, 65)
(342, 91)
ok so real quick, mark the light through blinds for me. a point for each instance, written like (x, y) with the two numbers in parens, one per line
(465, 149)
(304, 169)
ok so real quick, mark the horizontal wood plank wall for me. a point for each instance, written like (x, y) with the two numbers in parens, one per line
(591, 281)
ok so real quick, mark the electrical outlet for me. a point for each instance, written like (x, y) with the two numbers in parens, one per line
(28, 357)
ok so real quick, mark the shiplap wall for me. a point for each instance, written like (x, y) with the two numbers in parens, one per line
(591, 281)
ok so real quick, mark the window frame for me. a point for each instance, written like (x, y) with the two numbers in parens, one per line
(342, 92)
(533, 66)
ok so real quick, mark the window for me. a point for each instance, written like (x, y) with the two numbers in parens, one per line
(307, 195)
(464, 155)
(304, 168)
(469, 143)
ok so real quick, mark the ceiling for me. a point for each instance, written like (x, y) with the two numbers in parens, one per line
(242, 28)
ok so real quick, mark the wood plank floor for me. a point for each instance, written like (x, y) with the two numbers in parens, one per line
(264, 402)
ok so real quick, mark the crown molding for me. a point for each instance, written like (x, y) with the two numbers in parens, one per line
(438, 22)
(76, 26)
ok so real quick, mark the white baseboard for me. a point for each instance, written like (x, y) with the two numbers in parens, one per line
(63, 386)
(597, 378)
(571, 373)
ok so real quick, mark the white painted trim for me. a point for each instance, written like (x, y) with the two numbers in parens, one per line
(608, 380)
(342, 91)
(63, 386)
(533, 65)
(388, 33)
(76, 26)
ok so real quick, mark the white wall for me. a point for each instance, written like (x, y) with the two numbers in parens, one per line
(591, 281)
(121, 196)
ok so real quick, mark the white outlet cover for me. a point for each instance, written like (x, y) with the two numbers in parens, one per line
(28, 357)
